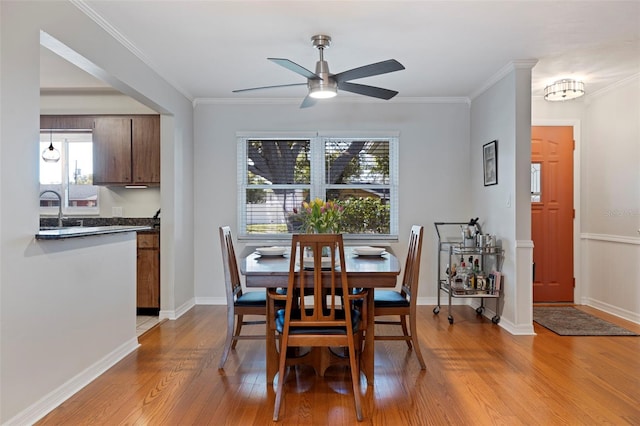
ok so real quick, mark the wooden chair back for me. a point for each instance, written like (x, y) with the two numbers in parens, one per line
(403, 302)
(233, 285)
(411, 274)
(328, 319)
(238, 304)
(319, 279)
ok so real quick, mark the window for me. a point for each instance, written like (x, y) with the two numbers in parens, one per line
(535, 182)
(71, 176)
(275, 175)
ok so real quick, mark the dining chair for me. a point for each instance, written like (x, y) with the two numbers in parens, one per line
(403, 302)
(239, 303)
(322, 318)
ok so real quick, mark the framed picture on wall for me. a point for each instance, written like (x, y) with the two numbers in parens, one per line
(490, 163)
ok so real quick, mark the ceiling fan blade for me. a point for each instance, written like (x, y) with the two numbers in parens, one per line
(268, 87)
(362, 89)
(390, 65)
(292, 66)
(308, 101)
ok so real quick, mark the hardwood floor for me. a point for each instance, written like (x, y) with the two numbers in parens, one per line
(477, 374)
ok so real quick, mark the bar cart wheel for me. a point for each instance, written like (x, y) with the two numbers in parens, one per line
(436, 310)
(450, 319)
(480, 310)
(495, 319)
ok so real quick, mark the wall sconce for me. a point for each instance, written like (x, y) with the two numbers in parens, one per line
(564, 90)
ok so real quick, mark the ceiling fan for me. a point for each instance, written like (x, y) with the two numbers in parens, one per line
(322, 84)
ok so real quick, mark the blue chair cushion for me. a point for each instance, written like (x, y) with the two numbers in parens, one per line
(295, 314)
(389, 299)
(252, 298)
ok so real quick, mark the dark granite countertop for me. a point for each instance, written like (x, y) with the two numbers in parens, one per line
(86, 231)
(51, 221)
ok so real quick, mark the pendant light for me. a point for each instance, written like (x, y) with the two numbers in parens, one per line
(51, 154)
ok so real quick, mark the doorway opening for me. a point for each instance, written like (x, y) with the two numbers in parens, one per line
(553, 214)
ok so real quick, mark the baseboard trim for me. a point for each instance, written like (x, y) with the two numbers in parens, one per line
(613, 310)
(177, 313)
(56, 397)
(520, 330)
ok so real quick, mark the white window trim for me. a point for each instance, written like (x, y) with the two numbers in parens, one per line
(318, 187)
(66, 209)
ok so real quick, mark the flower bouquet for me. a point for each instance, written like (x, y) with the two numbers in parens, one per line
(320, 217)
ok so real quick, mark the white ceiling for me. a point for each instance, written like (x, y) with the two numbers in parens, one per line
(449, 48)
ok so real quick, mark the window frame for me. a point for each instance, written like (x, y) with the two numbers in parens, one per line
(64, 161)
(317, 186)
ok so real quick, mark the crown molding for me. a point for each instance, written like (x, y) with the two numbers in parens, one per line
(111, 30)
(80, 91)
(503, 72)
(345, 100)
(614, 86)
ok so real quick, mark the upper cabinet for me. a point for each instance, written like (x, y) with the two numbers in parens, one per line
(145, 149)
(126, 150)
(112, 150)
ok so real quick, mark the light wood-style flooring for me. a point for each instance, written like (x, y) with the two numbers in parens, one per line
(477, 374)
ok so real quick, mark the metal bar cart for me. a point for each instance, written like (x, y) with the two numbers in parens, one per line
(464, 240)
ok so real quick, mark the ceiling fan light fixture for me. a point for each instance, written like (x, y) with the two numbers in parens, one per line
(564, 90)
(319, 89)
(325, 93)
(323, 85)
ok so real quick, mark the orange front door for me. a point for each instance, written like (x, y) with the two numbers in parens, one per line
(552, 213)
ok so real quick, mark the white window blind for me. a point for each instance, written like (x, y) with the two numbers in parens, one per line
(277, 174)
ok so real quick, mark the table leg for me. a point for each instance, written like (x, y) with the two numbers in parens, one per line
(367, 361)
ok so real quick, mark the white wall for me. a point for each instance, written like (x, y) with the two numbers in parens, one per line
(611, 200)
(611, 173)
(65, 312)
(503, 113)
(139, 202)
(608, 249)
(434, 154)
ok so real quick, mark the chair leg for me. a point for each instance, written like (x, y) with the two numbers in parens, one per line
(416, 344)
(355, 378)
(281, 370)
(403, 323)
(229, 339)
(238, 328)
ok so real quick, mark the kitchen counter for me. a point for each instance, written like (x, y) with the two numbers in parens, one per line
(86, 231)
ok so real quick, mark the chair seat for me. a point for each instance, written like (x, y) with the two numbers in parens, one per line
(252, 298)
(389, 299)
(295, 314)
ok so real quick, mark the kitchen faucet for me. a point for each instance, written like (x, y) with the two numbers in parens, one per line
(59, 204)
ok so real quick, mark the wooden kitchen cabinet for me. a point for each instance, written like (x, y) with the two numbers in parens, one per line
(148, 271)
(145, 149)
(66, 122)
(112, 150)
(126, 150)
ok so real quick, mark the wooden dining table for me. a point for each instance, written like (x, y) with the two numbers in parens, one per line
(370, 272)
